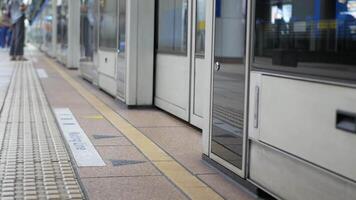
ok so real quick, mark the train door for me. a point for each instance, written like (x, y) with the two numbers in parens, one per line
(302, 120)
(173, 55)
(227, 145)
(181, 65)
(62, 30)
(88, 39)
(107, 71)
(121, 51)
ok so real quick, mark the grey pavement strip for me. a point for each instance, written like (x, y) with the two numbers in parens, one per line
(99, 137)
(117, 163)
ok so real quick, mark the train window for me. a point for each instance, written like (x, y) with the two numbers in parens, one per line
(172, 26)
(107, 35)
(318, 39)
(200, 28)
(122, 25)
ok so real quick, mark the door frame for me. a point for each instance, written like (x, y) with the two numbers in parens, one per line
(243, 171)
(189, 114)
(194, 118)
(121, 57)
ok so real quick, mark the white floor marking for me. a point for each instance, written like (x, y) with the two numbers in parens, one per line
(83, 150)
(42, 73)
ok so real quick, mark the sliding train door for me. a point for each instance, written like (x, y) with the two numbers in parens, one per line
(112, 48)
(62, 31)
(229, 86)
(107, 71)
(182, 68)
(89, 39)
(173, 55)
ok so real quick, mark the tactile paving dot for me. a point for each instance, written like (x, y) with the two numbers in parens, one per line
(34, 163)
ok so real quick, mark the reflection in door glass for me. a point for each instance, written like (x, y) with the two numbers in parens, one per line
(318, 39)
(172, 26)
(108, 17)
(229, 82)
(48, 25)
(200, 28)
(122, 25)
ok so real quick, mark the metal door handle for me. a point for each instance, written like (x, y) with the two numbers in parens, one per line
(217, 66)
(257, 103)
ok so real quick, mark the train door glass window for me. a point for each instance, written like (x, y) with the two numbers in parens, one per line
(65, 13)
(122, 26)
(172, 26)
(200, 28)
(314, 40)
(59, 23)
(87, 25)
(229, 82)
(108, 31)
(62, 25)
(35, 32)
(48, 21)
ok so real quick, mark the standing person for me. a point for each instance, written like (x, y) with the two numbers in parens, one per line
(17, 14)
(8, 37)
(4, 27)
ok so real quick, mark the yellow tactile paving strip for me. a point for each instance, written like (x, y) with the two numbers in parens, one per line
(34, 163)
(182, 178)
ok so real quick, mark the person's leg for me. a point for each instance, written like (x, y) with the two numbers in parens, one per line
(13, 42)
(6, 30)
(22, 38)
(91, 42)
(2, 37)
(86, 37)
(9, 37)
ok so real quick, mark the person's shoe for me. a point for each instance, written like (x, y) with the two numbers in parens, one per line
(13, 58)
(21, 58)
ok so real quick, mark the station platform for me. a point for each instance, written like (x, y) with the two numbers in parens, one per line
(52, 121)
